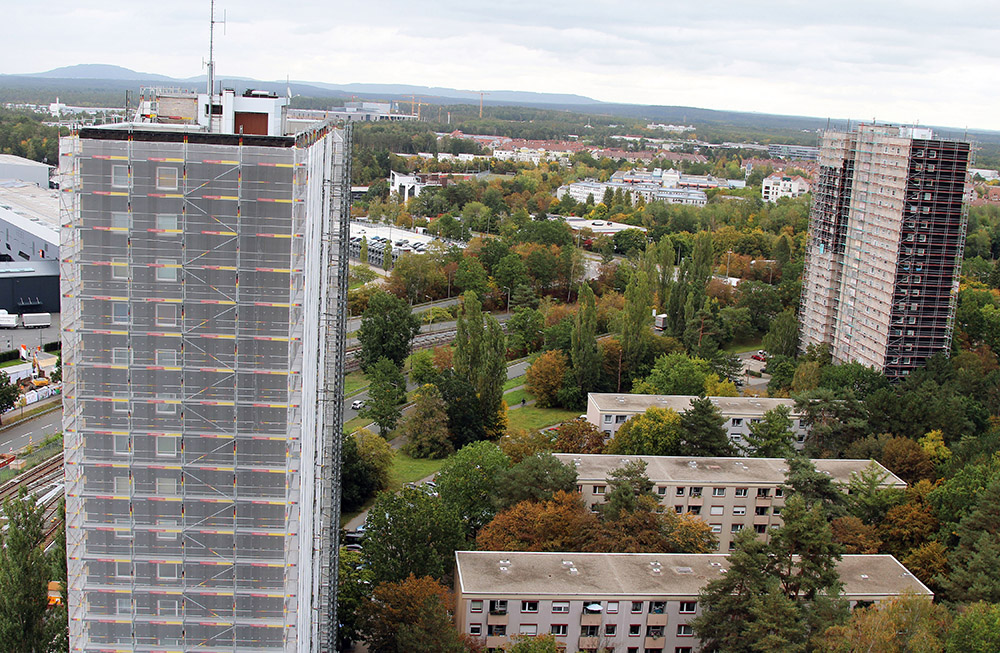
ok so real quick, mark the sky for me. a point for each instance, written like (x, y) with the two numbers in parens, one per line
(906, 62)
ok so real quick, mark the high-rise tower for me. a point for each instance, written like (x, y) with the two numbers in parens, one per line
(886, 237)
(204, 282)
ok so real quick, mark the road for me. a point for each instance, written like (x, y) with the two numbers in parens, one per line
(31, 432)
(354, 323)
(753, 382)
(31, 338)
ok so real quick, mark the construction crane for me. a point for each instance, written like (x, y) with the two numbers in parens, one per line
(481, 94)
(415, 106)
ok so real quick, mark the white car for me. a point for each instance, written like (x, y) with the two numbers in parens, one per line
(358, 404)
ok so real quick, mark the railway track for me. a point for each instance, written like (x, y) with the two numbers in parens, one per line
(48, 472)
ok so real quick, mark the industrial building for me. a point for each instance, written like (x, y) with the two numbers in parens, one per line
(804, 152)
(608, 411)
(620, 602)
(29, 287)
(886, 237)
(204, 278)
(21, 169)
(731, 494)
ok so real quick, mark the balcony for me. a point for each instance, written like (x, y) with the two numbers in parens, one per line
(655, 642)
(497, 618)
(656, 620)
(590, 620)
(589, 642)
(495, 641)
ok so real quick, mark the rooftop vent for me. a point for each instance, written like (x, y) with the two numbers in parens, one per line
(693, 464)
(573, 571)
(716, 564)
(567, 563)
(684, 570)
(864, 576)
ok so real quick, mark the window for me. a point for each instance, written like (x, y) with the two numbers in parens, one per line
(559, 630)
(610, 630)
(654, 631)
(741, 492)
(590, 631)
(620, 419)
(696, 492)
(166, 222)
(119, 402)
(166, 178)
(166, 315)
(718, 491)
(166, 524)
(715, 510)
(736, 528)
(560, 607)
(716, 528)
(475, 606)
(592, 607)
(475, 629)
(119, 176)
(119, 313)
(529, 606)
(776, 511)
(680, 492)
(679, 509)
(123, 606)
(166, 357)
(121, 484)
(166, 570)
(763, 493)
(528, 629)
(688, 607)
(608, 419)
(661, 490)
(119, 220)
(166, 271)
(599, 489)
(684, 630)
(123, 569)
(122, 529)
(496, 631)
(682, 649)
(121, 444)
(760, 511)
(168, 607)
(119, 268)
(168, 405)
(166, 445)
(779, 492)
(737, 421)
(657, 607)
(636, 607)
(634, 630)
(695, 510)
(166, 486)
(739, 510)
(119, 356)
(612, 607)
(760, 528)
(498, 606)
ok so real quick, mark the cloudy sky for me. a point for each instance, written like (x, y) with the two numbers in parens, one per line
(916, 61)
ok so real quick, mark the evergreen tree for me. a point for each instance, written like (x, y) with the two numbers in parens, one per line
(584, 355)
(387, 330)
(782, 339)
(427, 427)
(364, 250)
(975, 561)
(814, 487)
(702, 430)
(772, 436)
(386, 391)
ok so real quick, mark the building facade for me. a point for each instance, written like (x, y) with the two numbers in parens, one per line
(608, 411)
(886, 237)
(620, 602)
(731, 494)
(204, 279)
(775, 187)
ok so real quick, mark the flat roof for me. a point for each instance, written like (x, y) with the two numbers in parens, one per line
(34, 227)
(691, 469)
(599, 226)
(30, 201)
(13, 159)
(617, 402)
(49, 268)
(654, 575)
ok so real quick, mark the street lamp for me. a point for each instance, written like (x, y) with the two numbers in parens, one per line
(508, 298)
(728, 254)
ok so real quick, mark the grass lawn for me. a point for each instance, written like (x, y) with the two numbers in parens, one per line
(354, 382)
(515, 397)
(516, 381)
(352, 425)
(739, 349)
(13, 362)
(409, 470)
(533, 418)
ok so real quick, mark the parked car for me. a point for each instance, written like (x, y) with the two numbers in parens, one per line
(358, 404)
(759, 357)
(354, 547)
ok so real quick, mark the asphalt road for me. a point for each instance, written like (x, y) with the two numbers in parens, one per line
(31, 432)
(31, 338)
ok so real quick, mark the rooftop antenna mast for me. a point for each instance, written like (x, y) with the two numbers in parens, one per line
(211, 61)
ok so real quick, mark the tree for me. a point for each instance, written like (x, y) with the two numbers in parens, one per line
(364, 250)
(900, 624)
(9, 393)
(562, 524)
(667, 261)
(782, 339)
(630, 490)
(702, 431)
(471, 276)
(534, 644)
(583, 343)
(772, 436)
(465, 417)
(677, 374)
(813, 487)
(426, 429)
(545, 377)
(359, 481)
(387, 389)
(387, 256)
(480, 357)
(976, 629)
(376, 453)
(807, 376)
(656, 432)
(867, 497)
(835, 419)
(975, 561)
(636, 320)
(782, 371)
(411, 533)
(24, 578)
(353, 580)
(525, 328)
(411, 615)
(907, 460)
(468, 481)
(422, 369)
(579, 436)
(536, 478)
(387, 329)
(855, 535)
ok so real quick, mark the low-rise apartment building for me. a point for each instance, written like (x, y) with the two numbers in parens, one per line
(608, 411)
(621, 602)
(731, 494)
(777, 186)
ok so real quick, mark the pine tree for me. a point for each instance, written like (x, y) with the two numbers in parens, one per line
(772, 436)
(976, 560)
(584, 355)
(702, 430)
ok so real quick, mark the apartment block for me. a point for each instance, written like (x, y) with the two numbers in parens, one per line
(731, 494)
(620, 602)
(775, 187)
(886, 238)
(204, 279)
(608, 411)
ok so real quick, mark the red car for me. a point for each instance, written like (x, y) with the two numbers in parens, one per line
(759, 357)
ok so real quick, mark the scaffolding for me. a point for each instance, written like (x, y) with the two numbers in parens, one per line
(202, 274)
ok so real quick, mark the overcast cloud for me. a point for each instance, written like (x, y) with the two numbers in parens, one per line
(932, 62)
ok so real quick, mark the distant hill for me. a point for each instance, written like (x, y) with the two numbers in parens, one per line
(98, 71)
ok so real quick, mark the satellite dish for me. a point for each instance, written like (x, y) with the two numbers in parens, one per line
(596, 607)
